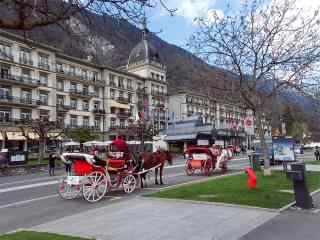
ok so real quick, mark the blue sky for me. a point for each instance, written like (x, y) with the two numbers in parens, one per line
(178, 28)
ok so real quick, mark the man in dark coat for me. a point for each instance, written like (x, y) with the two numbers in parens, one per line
(52, 164)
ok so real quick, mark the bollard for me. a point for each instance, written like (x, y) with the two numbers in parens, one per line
(252, 178)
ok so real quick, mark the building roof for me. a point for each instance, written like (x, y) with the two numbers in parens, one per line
(145, 52)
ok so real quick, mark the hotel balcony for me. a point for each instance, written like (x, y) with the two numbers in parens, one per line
(17, 101)
(123, 100)
(63, 108)
(117, 127)
(81, 93)
(26, 61)
(21, 80)
(99, 111)
(81, 126)
(44, 66)
(6, 56)
(158, 93)
(123, 114)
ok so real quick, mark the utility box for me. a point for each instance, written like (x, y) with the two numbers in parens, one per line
(296, 173)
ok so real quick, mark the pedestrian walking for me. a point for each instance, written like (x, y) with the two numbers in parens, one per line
(52, 164)
(317, 153)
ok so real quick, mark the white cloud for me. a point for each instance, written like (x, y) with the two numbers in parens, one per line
(191, 9)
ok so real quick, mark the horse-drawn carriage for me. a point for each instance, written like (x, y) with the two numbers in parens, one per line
(92, 177)
(200, 159)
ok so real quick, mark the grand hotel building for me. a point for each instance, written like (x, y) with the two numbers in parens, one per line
(38, 81)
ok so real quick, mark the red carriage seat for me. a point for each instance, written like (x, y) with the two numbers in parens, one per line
(116, 163)
(82, 168)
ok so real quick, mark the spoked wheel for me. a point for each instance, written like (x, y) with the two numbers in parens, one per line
(68, 191)
(95, 187)
(129, 183)
(188, 168)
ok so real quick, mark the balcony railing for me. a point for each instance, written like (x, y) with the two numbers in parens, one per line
(99, 111)
(63, 107)
(123, 100)
(23, 80)
(123, 114)
(81, 126)
(6, 56)
(44, 66)
(26, 61)
(18, 100)
(115, 127)
(82, 93)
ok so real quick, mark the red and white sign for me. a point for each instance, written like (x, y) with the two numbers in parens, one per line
(249, 125)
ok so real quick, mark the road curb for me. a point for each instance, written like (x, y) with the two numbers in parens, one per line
(219, 204)
(286, 207)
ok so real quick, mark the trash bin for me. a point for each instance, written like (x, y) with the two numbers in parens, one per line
(296, 173)
(255, 161)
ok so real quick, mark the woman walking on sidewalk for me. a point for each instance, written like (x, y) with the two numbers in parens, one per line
(52, 164)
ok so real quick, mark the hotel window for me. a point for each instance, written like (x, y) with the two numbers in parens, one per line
(5, 92)
(85, 89)
(86, 121)
(60, 85)
(72, 71)
(43, 79)
(26, 74)
(26, 95)
(85, 105)
(95, 76)
(158, 76)
(129, 97)
(60, 100)
(84, 74)
(5, 51)
(97, 122)
(152, 75)
(43, 61)
(59, 67)
(162, 78)
(73, 103)
(96, 92)
(60, 120)
(96, 105)
(112, 122)
(122, 123)
(73, 87)
(121, 82)
(129, 83)
(25, 114)
(5, 115)
(112, 94)
(44, 115)
(43, 97)
(25, 56)
(73, 121)
(5, 71)
(112, 80)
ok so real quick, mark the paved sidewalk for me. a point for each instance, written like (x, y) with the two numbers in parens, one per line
(291, 225)
(146, 219)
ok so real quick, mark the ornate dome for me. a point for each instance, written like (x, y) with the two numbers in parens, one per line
(144, 52)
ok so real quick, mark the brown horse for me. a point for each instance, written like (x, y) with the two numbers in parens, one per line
(151, 160)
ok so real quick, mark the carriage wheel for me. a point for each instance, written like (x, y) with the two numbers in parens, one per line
(129, 183)
(189, 170)
(95, 187)
(68, 191)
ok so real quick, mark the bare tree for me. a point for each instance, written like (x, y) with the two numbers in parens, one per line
(270, 47)
(28, 14)
(42, 128)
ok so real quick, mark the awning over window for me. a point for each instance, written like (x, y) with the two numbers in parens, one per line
(17, 136)
(115, 104)
(33, 136)
(181, 137)
(54, 136)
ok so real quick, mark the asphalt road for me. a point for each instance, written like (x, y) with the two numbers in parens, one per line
(27, 201)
